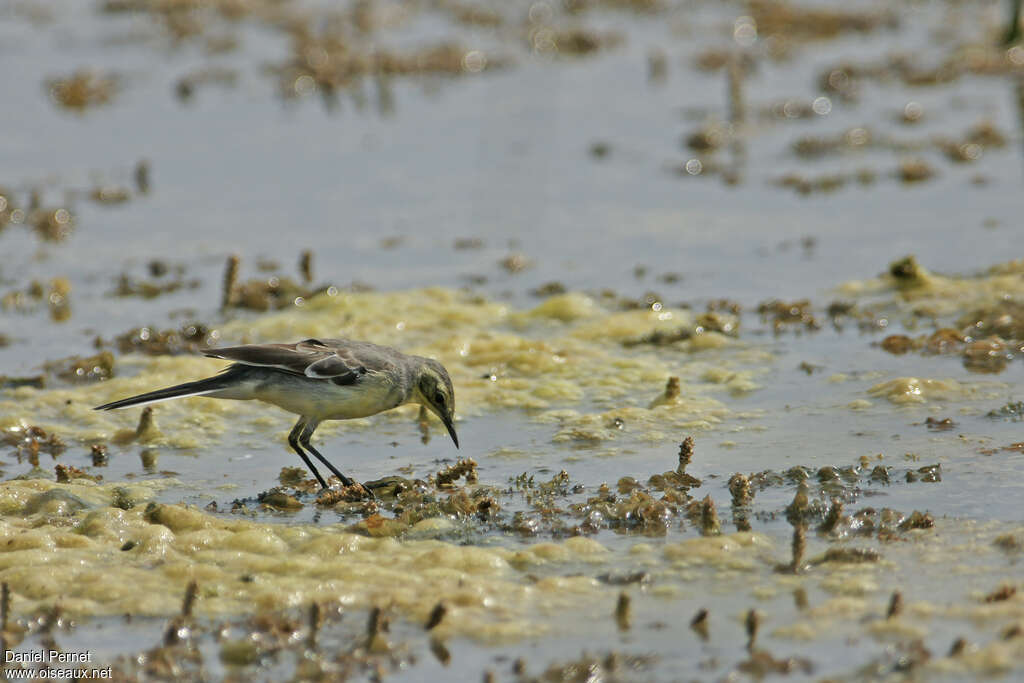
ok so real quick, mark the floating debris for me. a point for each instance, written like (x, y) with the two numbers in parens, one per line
(79, 370)
(940, 425)
(98, 452)
(55, 295)
(657, 66)
(686, 448)
(699, 623)
(189, 338)
(709, 524)
(189, 601)
(515, 263)
(436, 615)
(794, 22)
(574, 42)
(832, 520)
(306, 266)
(315, 621)
(230, 281)
(110, 194)
(669, 396)
(914, 170)
(277, 499)
(1004, 592)
(31, 440)
(440, 651)
(66, 473)
(751, 622)
(141, 175)
(895, 605)
(36, 382)
(463, 468)
(146, 431)
(848, 556)
(782, 314)
(799, 509)
(623, 612)
(1014, 411)
(739, 487)
(128, 285)
(83, 89)
(641, 577)
(186, 86)
(799, 545)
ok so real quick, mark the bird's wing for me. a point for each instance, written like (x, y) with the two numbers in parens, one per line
(309, 357)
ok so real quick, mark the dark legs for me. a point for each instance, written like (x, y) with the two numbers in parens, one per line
(305, 436)
(293, 441)
(299, 438)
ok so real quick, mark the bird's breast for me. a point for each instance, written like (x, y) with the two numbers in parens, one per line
(326, 400)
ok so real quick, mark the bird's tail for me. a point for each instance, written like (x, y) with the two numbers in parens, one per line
(201, 387)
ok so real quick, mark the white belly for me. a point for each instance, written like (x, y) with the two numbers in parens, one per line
(322, 399)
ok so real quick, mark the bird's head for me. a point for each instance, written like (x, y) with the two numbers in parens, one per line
(435, 391)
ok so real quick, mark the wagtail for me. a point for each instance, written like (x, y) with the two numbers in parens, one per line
(320, 379)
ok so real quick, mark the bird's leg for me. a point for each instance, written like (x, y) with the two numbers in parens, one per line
(293, 441)
(304, 437)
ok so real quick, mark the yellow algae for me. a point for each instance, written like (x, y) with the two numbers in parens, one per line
(564, 307)
(584, 547)
(139, 560)
(737, 382)
(941, 295)
(618, 327)
(840, 606)
(708, 340)
(565, 352)
(685, 413)
(918, 390)
(562, 585)
(800, 630)
(260, 541)
(859, 404)
(895, 629)
(740, 551)
(990, 659)
(848, 581)
(432, 526)
(550, 552)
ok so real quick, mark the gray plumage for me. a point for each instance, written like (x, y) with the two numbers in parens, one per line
(320, 379)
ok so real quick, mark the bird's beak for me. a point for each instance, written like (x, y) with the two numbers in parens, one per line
(451, 429)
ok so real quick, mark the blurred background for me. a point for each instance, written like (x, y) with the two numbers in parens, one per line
(700, 149)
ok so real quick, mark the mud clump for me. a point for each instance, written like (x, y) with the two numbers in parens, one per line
(801, 23)
(30, 441)
(463, 468)
(54, 295)
(784, 315)
(151, 341)
(278, 499)
(164, 279)
(66, 473)
(79, 370)
(83, 89)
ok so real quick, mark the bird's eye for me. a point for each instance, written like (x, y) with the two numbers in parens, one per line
(439, 399)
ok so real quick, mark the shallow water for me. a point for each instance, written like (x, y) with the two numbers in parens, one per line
(382, 188)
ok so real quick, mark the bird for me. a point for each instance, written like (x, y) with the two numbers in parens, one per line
(318, 380)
